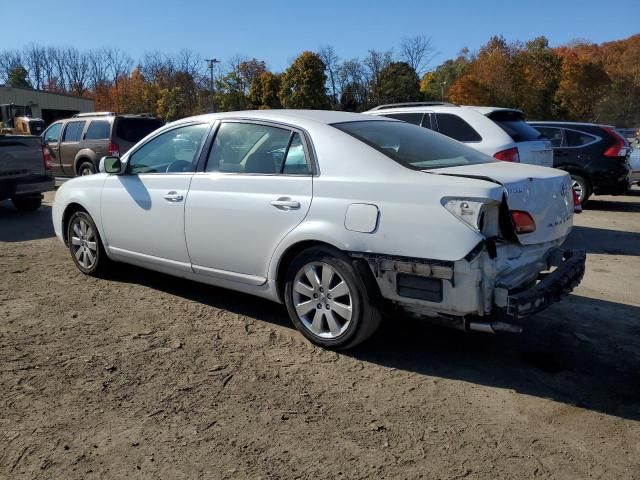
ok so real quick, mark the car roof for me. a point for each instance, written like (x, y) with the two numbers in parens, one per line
(488, 110)
(326, 117)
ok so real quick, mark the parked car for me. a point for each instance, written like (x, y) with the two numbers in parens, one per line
(501, 133)
(77, 144)
(594, 155)
(338, 215)
(25, 171)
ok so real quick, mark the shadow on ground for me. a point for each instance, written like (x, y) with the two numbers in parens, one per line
(582, 352)
(616, 205)
(604, 241)
(16, 226)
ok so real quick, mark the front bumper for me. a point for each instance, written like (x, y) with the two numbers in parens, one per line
(551, 288)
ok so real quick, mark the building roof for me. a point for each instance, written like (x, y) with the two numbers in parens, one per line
(33, 90)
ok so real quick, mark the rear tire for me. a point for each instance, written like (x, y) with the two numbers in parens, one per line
(582, 188)
(27, 204)
(86, 168)
(328, 301)
(86, 246)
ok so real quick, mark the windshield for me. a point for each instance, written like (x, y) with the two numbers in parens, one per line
(412, 146)
(513, 123)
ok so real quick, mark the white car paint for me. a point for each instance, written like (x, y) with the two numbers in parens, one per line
(494, 138)
(233, 230)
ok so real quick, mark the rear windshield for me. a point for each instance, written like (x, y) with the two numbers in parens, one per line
(135, 129)
(513, 123)
(414, 147)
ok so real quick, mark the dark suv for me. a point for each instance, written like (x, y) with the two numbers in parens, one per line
(594, 155)
(77, 144)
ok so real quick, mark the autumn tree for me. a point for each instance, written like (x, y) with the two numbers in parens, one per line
(582, 86)
(435, 84)
(303, 83)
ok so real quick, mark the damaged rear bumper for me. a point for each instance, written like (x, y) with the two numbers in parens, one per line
(570, 267)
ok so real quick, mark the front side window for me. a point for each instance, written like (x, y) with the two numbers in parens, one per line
(414, 147)
(249, 148)
(52, 134)
(73, 131)
(98, 130)
(455, 127)
(553, 134)
(171, 152)
(415, 118)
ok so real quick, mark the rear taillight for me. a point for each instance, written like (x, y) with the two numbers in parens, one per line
(619, 148)
(46, 158)
(113, 150)
(522, 222)
(510, 155)
(577, 206)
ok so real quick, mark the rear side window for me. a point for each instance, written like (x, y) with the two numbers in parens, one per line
(73, 131)
(455, 127)
(553, 134)
(415, 118)
(98, 130)
(296, 161)
(135, 129)
(577, 139)
(513, 123)
(414, 147)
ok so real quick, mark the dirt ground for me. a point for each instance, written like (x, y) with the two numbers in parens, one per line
(147, 376)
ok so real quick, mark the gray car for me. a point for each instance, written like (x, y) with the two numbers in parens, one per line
(78, 143)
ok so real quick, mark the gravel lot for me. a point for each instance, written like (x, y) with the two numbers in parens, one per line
(147, 376)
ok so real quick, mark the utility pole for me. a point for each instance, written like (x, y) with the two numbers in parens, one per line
(210, 63)
(442, 90)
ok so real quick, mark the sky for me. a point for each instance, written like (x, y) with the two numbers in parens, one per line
(277, 31)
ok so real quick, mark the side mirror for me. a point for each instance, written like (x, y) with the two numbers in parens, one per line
(111, 165)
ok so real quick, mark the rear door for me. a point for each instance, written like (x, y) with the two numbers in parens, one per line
(533, 148)
(256, 188)
(70, 145)
(51, 139)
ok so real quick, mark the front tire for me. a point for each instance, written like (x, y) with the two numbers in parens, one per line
(27, 204)
(328, 301)
(86, 246)
(86, 168)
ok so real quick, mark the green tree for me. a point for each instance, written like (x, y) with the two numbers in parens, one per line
(19, 77)
(172, 104)
(398, 82)
(435, 82)
(303, 83)
(264, 91)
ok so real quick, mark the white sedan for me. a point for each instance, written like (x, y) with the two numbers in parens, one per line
(340, 216)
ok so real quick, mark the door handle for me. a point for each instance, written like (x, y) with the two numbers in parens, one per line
(173, 196)
(285, 203)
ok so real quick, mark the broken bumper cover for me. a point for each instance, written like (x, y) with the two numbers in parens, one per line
(551, 288)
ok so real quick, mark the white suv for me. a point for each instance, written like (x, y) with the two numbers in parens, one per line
(501, 133)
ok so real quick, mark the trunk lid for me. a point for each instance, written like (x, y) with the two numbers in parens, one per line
(545, 193)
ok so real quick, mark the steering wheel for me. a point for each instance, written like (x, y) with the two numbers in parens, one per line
(179, 166)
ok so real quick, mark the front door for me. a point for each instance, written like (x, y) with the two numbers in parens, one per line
(256, 188)
(51, 139)
(143, 209)
(70, 145)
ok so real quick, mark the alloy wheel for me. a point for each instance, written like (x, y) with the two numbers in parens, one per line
(577, 186)
(83, 243)
(322, 300)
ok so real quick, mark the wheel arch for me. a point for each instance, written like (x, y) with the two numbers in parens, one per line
(69, 210)
(84, 155)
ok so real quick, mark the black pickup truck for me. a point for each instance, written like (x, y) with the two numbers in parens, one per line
(25, 171)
